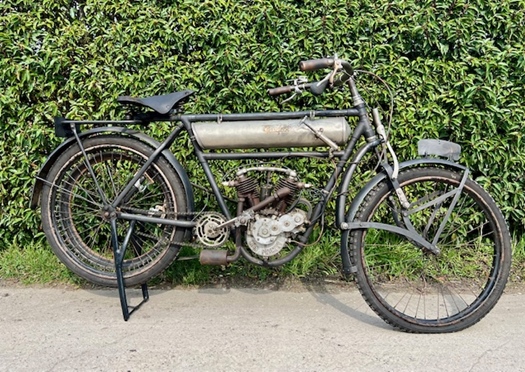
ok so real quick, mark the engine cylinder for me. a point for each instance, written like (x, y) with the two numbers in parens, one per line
(247, 188)
(292, 185)
(246, 185)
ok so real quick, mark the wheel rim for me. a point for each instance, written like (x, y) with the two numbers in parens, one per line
(82, 217)
(418, 286)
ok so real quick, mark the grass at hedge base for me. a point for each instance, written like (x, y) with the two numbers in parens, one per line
(36, 264)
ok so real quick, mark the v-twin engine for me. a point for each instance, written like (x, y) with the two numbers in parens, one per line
(268, 230)
(267, 235)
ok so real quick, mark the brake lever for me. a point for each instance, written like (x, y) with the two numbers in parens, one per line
(301, 80)
(339, 68)
(329, 79)
(289, 98)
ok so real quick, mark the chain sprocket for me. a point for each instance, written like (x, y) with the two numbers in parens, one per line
(198, 216)
(207, 231)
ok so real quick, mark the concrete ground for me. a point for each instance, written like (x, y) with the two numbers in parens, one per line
(240, 329)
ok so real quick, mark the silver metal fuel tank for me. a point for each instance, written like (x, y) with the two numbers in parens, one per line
(270, 133)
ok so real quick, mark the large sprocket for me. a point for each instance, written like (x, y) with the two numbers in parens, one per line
(208, 232)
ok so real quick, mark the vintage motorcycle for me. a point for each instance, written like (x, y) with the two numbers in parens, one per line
(428, 246)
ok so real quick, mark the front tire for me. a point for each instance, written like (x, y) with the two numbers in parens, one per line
(418, 291)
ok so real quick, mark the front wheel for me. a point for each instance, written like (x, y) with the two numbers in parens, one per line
(416, 290)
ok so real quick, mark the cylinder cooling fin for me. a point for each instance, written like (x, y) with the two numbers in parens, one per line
(292, 185)
(246, 185)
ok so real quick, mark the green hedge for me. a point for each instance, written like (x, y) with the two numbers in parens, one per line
(457, 69)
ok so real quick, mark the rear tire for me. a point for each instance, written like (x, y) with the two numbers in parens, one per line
(75, 216)
(418, 291)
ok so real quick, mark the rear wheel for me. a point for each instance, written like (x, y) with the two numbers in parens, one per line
(419, 291)
(76, 213)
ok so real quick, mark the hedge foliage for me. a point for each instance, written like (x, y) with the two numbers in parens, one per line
(457, 69)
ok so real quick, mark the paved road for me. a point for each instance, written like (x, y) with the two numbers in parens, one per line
(50, 329)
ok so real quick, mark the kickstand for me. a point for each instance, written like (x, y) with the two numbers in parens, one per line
(118, 253)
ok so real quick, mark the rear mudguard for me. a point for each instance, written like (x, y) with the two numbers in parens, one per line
(361, 195)
(177, 167)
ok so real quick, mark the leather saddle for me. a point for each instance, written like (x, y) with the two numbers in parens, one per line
(161, 104)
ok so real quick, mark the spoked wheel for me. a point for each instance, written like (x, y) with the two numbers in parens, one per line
(76, 210)
(416, 290)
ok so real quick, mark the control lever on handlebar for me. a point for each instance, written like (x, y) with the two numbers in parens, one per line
(299, 86)
(319, 87)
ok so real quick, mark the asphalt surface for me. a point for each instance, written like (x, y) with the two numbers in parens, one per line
(237, 329)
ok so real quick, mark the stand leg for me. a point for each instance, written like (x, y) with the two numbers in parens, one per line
(118, 253)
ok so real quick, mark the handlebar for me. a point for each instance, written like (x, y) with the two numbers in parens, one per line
(281, 90)
(316, 88)
(319, 87)
(316, 64)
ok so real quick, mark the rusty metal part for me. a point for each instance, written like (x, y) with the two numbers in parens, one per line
(214, 257)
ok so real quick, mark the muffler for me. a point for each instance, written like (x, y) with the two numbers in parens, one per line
(214, 257)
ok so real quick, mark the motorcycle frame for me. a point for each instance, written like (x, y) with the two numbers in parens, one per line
(363, 129)
(344, 167)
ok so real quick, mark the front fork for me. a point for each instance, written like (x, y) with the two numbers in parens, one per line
(401, 216)
(404, 226)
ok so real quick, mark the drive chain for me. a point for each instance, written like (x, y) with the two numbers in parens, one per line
(145, 212)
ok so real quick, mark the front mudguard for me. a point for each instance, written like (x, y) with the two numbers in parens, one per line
(41, 177)
(343, 218)
(358, 199)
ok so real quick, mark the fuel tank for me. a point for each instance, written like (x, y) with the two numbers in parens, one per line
(270, 133)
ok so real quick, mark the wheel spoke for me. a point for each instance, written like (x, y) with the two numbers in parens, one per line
(82, 237)
(423, 292)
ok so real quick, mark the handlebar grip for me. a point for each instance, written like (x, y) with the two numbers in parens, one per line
(281, 90)
(316, 64)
